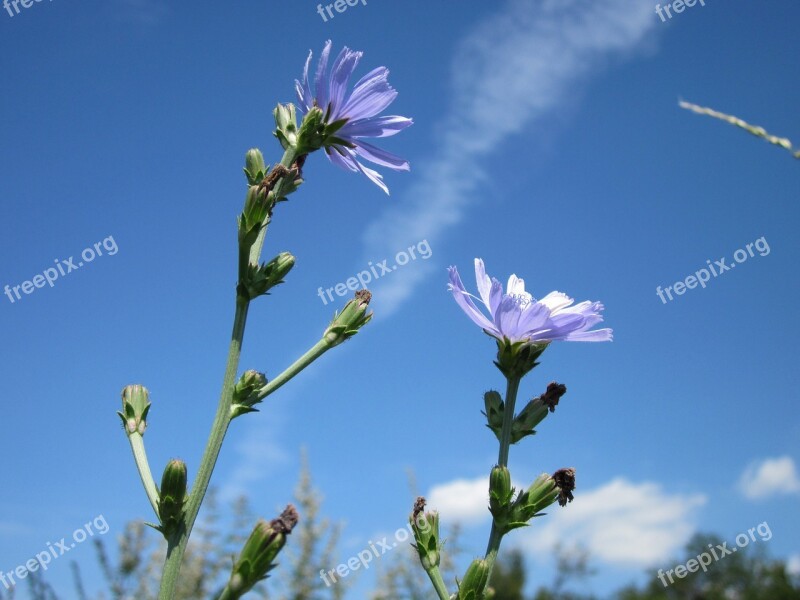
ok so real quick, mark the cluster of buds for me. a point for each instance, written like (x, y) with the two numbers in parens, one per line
(511, 512)
(265, 189)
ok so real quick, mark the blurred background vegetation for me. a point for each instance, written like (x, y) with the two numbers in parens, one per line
(135, 572)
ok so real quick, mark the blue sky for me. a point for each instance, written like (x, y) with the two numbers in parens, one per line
(547, 140)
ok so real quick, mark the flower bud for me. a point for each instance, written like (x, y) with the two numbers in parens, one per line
(542, 493)
(260, 550)
(245, 393)
(256, 209)
(172, 497)
(494, 412)
(255, 169)
(352, 318)
(258, 280)
(286, 125)
(135, 406)
(474, 582)
(500, 492)
(425, 526)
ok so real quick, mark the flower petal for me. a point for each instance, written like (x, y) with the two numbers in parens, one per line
(495, 296)
(381, 157)
(342, 69)
(534, 316)
(464, 300)
(484, 283)
(304, 95)
(556, 301)
(507, 318)
(598, 335)
(321, 77)
(375, 127)
(516, 286)
(342, 160)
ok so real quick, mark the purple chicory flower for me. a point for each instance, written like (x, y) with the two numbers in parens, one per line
(518, 316)
(360, 108)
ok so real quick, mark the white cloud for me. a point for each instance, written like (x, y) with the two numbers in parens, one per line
(508, 73)
(620, 523)
(769, 477)
(793, 565)
(462, 500)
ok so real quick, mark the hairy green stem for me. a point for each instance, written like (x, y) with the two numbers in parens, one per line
(438, 583)
(176, 546)
(227, 594)
(495, 537)
(301, 363)
(140, 456)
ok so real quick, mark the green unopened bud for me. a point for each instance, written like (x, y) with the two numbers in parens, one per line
(260, 550)
(536, 410)
(257, 205)
(425, 526)
(172, 497)
(258, 280)
(494, 411)
(515, 359)
(286, 125)
(528, 418)
(530, 503)
(254, 167)
(474, 582)
(352, 318)
(500, 492)
(245, 393)
(135, 406)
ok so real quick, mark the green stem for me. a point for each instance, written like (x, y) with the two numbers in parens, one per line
(496, 536)
(140, 456)
(227, 594)
(301, 363)
(438, 583)
(176, 546)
